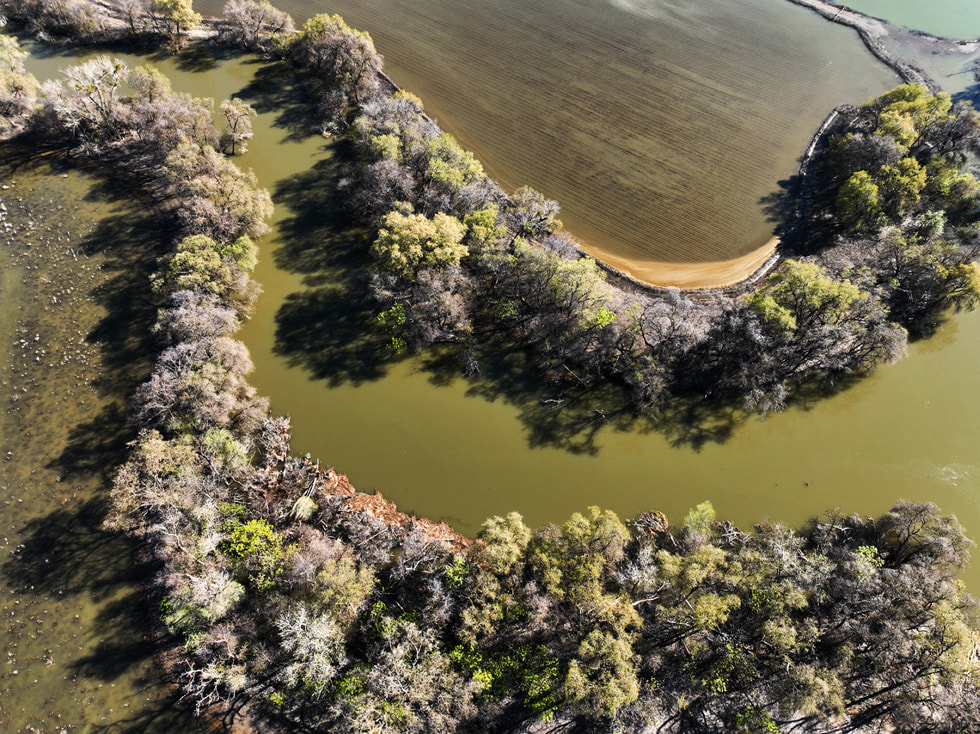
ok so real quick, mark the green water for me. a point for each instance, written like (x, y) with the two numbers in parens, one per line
(659, 125)
(946, 18)
(73, 654)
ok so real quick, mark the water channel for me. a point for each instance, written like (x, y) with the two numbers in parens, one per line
(435, 443)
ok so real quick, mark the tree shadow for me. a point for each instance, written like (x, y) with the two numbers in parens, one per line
(328, 331)
(280, 88)
(779, 205)
(329, 328)
(130, 243)
(94, 448)
(200, 56)
(165, 716)
(66, 553)
(970, 95)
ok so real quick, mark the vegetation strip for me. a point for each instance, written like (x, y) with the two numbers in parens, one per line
(327, 610)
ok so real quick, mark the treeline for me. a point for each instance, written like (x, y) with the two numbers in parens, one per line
(909, 207)
(328, 610)
(456, 260)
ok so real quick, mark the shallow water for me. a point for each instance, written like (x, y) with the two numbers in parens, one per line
(946, 18)
(74, 657)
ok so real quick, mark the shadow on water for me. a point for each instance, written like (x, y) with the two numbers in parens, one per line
(199, 57)
(64, 556)
(130, 244)
(66, 553)
(281, 90)
(328, 328)
(779, 205)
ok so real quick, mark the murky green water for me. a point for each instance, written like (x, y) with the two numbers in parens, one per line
(947, 18)
(73, 655)
(659, 125)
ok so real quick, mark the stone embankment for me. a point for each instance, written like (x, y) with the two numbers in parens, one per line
(872, 32)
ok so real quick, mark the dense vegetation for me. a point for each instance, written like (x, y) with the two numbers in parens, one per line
(328, 610)
(455, 260)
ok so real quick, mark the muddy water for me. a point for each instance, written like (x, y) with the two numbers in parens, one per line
(72, 652)
(661, 126)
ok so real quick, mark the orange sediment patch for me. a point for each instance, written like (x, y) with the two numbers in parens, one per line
(690, 276)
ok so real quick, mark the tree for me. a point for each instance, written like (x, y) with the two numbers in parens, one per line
(190, 315)
(859, 201)
(407, 242)
(900, 187)
(255, 24)
(17, 87)
(532, 214)
(88, 105)
(218, 199)
(341, 57)
(174, 19)
(238, 114)
(200, 385)
(924, 277)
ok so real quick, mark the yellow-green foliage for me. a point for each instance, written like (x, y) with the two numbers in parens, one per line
(482, 230)
(907, 110)
(449, 164)
(257, 548)
(407, 243)
(504, 541)
(858, 201)
(800, 294)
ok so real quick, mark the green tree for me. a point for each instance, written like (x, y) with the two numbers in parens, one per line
(799, 296)
(408, 242)
(924, 277)
(202, 264)
(900, 187)
(175, 19)
(859, 201)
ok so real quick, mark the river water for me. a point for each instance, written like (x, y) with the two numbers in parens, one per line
(438, 445)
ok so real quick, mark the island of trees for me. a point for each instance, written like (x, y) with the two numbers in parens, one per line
(316, 608)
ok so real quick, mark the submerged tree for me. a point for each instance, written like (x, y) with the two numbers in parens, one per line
(237, 114)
